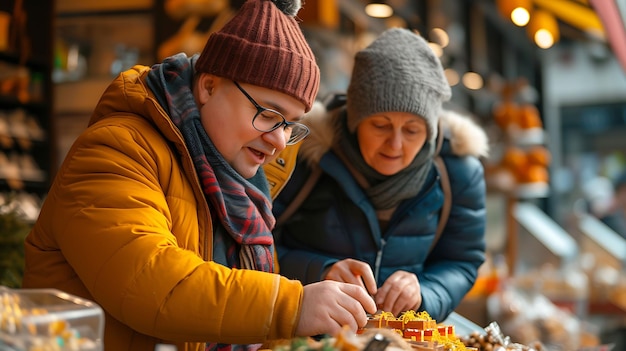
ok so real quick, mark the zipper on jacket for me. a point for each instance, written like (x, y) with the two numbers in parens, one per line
(379, 257)
(383, 242)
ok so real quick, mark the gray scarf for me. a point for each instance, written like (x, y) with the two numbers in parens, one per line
(384, 192)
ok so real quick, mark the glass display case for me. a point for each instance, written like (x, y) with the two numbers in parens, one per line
(48, 319)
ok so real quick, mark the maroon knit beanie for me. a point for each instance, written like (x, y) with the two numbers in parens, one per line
(264, 46)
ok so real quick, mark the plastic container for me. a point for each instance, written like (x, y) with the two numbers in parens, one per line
(49, 319)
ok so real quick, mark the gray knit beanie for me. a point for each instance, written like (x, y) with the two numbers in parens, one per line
(397, 72)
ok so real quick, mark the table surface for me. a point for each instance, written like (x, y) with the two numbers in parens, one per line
(462, 325)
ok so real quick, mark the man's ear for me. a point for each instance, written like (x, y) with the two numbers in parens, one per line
(206, 86)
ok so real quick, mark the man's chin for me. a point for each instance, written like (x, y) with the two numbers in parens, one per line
(249, 172)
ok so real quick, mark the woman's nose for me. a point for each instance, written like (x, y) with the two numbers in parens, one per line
(395, 140)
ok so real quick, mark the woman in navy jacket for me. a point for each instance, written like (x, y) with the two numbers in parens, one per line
(372, 214)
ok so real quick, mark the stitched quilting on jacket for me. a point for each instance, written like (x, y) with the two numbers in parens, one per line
(338, 221)
(125, 224)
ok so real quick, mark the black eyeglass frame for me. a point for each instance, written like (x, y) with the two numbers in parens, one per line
(260, 109)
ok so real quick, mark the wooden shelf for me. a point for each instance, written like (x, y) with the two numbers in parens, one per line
(108, 37)
(98, 6)
(79, 97)
(27, 102)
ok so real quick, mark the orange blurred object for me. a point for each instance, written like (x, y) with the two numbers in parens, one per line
(482, 287)
(515, 160)
(528, 117)
(536, 174)
(539, 155)
(505, 114)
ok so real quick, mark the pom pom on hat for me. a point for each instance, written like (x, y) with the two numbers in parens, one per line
(263, 45)
(397, 72)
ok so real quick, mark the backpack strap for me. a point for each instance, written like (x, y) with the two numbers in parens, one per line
(304, 192)
(447, 199)
(445, 186)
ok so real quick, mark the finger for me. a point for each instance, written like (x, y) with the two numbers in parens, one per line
(369, 281)
(401, 305)
(343, 274)
(336, 322)
(363, 272)
(381, 294)
(389, 293)
(391, 301)
(406, 298)
(411, 296)
(343, 318)
(365, 301)
(350, 313)
(354, 272)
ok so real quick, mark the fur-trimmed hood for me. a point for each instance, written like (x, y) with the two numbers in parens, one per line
(466, 137)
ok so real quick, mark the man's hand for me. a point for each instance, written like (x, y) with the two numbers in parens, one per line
(327, 306)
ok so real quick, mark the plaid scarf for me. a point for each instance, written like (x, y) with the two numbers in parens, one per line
(243, 209)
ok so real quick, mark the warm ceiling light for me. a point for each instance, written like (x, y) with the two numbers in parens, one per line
(520, 16)
(543, 29)
(436, 48)
(472, 81)
(518, 11)
(378, 10)
(452, 76)
(440, 37)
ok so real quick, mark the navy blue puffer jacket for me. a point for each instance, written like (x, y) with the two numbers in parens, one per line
(337, 221)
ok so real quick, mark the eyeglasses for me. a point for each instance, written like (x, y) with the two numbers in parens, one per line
(267, 120)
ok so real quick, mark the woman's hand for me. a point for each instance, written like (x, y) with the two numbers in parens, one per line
(353, 272)
(327, 306)
(400, 292)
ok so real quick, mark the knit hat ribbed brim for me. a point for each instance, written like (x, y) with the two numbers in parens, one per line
(263, 46)
(397, 72)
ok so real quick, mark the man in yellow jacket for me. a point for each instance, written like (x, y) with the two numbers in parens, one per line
(161, 212)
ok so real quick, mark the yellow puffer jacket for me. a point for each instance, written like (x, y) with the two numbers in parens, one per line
(125, 224)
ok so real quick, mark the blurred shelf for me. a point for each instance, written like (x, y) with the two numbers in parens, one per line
(8, 102)
(97, 6)
(13, 58)
(107, 37)
(527, 137)
(606, 307)
(79, 97)
(26, 150)
(534, 190)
